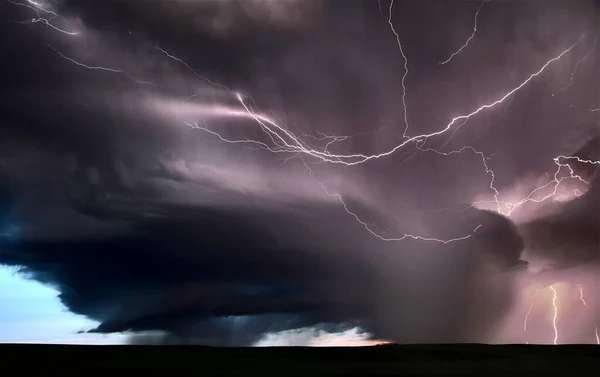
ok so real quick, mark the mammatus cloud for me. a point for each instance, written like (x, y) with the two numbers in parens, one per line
(219, 184)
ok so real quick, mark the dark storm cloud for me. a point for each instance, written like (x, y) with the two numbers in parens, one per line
(143, 224)
(185, 269)
(217, 19)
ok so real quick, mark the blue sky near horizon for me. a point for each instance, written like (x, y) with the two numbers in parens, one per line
(32, 312)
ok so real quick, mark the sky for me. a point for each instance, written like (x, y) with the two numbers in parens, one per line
(251, 173)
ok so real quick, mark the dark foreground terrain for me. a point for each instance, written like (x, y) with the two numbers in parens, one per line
(387, 360)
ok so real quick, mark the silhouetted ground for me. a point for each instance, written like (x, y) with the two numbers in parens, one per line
(386, 360)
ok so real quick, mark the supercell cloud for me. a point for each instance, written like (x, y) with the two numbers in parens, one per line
(228, 171)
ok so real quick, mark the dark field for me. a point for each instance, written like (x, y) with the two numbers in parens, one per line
(457, 360)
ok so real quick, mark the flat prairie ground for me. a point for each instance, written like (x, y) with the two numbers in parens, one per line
(384, 360)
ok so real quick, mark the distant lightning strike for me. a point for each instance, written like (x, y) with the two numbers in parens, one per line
(585, 304)
(581, 295)
(529, 311)
(555, 313)
(555, 317)
(468, 39)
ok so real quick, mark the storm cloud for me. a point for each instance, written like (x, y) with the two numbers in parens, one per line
(133, 180)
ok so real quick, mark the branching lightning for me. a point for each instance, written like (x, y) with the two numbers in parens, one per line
(468, 39)
(294, 145)
(555, 317)
(284, 141)
(331, 139)
(554, 183)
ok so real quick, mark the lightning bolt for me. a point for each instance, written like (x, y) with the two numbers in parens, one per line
(47, 23)
(555, 318)
(508, 103)
(99, 68)
(529, 311)
(581, 294)
(245, 141)
(192, 69)
(36, 7)
(584, 304)
(488, 171)
(405, 109)
(380, 8)
(40, 7)
(577, 66)
(331, 139)
(295, 146)
(468, 39)
(555, 183)
(284, 141)
(366, 226)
